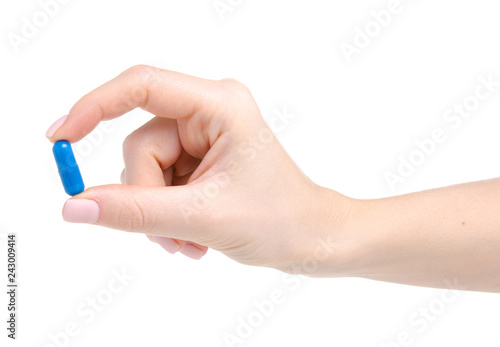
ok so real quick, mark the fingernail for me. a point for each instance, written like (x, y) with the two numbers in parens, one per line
(57, 124)
(171, 246)
(81, 211)
(192, 252)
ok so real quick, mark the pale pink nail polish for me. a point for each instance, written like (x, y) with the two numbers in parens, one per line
(192, 252)
(57, 124)
(81, 211)
(171, 246)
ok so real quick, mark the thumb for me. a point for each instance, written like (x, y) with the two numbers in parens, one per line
(159, 211)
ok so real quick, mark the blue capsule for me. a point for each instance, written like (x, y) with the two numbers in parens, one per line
(68, 169)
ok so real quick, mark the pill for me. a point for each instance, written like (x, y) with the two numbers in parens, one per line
(68, 168)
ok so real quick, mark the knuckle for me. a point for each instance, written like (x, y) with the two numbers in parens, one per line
(235, 95)
(141, 77)
(234, 86)
(138, 143)
(136, 216)
(131, 143)
(139, 71)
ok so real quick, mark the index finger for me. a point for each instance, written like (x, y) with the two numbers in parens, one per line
(163, 93)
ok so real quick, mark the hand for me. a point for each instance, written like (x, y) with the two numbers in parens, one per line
(208, 172)
(205, 172)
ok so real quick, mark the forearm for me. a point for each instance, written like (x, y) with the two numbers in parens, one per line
(439, 238)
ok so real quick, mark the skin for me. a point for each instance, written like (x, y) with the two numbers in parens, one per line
(207, 172)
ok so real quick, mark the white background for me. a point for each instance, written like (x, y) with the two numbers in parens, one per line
(352, 122)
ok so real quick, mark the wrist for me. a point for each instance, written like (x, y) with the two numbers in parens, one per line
(329, 247)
